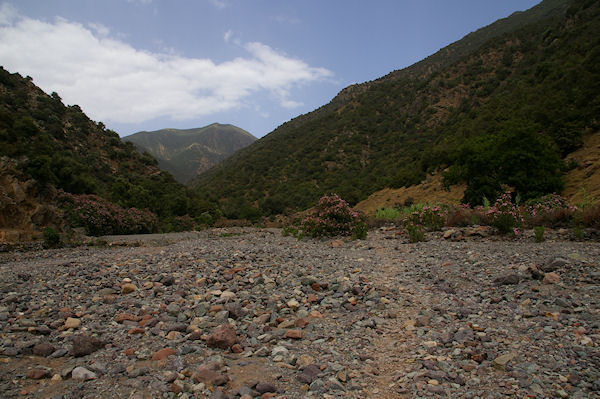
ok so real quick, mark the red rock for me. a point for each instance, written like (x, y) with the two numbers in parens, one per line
(301, 323)
(312, 298)
(163, 354)
(315, 314)
(136, 331)
(195, 335)
(208, 376)
(223, 336)
(294, 334)
(176, 388)
(551, 278)
(237, 348)
(316, 286)
(147, 321)
(121, 317)
(129, 352)
(38, 374)
(215, 308)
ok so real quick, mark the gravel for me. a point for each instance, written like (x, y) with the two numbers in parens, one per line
(245, 312)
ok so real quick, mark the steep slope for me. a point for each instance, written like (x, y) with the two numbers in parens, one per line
(45, 146)
(536, 68)
(186, 153)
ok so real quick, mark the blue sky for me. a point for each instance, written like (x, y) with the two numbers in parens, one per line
(151, 64)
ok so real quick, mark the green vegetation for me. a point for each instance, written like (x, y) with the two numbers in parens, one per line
(506, 105)
(539, 233)
(331, 217)
(389, 214)
(60, 146)
(507, 215)
(51, 238)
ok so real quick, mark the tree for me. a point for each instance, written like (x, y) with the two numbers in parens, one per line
(517, 156)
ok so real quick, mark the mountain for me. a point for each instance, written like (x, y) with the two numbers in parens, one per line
(186, 153)
(45, 146)
(522, 92)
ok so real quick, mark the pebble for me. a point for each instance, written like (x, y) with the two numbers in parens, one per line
(81, 373)
(283, 317)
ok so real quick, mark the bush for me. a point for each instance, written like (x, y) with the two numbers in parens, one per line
(333, 217)
(430, 217)
(591, 216)
(539, 233)
(184, 223)
(205, 218)
(550, 210)
(51, 238)
(415, 232)
(505, 214)
(101, 217)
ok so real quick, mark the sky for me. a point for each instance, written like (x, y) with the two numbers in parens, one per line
(152, 64)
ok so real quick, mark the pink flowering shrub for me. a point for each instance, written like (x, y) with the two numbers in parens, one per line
(505, 215)
(333, 217)
(420, 219)
(101, 217)
(550, 210)
(431, 217)
(184, 223)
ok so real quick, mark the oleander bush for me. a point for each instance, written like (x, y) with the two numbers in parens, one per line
(100, 217)
(332, 217)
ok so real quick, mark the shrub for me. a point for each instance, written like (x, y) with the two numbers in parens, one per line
(184, 223)
(539, 233)
(333, 217)
(505, 215)
(205, 218)
(415, 232)
(550, 210)
(51, 237)
(591, 216)
(430, 217)
(101, 217)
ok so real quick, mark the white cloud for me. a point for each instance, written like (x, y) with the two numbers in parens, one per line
(114, 82)
(219, 3)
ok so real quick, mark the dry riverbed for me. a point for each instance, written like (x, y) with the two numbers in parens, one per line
(230, 313)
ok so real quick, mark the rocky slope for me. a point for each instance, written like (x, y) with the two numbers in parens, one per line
(249, 313)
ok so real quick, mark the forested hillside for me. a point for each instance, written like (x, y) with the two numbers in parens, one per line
(59, 146)
(520, 94)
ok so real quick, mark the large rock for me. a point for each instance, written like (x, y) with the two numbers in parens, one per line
(81, 373)
(207, 374)
(85, 344)
(43, 349)
(223, 336)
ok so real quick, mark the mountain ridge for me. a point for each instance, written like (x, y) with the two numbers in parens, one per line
(187, 152)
